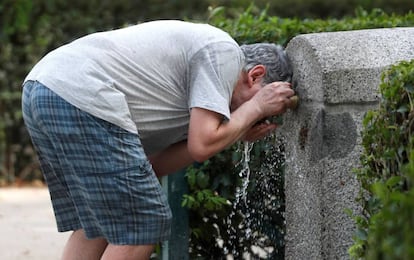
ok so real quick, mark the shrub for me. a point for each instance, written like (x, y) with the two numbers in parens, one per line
(252, 26)
(385, 230)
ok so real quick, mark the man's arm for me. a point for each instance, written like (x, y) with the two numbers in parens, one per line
(209, 134)
(171, 160)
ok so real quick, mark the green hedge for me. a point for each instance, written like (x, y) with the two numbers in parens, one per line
(385, 230)
(251, 27)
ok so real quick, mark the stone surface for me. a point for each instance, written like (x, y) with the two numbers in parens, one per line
(344, 67)
(336, 76)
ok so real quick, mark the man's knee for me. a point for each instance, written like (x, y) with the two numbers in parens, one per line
(126, 252)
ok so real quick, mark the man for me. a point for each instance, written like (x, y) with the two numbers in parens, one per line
(110, 111)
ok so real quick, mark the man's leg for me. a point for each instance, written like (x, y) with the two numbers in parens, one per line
(80, 248)
(136, 252)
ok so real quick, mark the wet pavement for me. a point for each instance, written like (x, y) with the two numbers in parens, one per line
(27, 225)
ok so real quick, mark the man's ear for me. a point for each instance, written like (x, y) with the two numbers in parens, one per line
(256, 73)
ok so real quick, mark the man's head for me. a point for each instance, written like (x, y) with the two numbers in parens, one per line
(272, 56)
(264, 63)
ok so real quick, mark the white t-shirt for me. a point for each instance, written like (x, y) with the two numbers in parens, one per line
(145, 78)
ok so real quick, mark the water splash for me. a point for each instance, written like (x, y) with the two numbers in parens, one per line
(241, 196)
(256, 222)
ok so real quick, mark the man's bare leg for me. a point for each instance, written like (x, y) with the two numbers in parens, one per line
(80, 248)
(128, 252)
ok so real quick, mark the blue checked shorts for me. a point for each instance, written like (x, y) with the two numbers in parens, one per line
(97, 173)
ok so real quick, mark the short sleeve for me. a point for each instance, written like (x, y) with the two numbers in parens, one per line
(214, 71)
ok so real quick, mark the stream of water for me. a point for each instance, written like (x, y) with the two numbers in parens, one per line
(256, 223)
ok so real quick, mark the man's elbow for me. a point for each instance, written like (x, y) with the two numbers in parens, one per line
(200, 154)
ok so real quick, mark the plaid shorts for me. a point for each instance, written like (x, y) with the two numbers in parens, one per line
(97, 173)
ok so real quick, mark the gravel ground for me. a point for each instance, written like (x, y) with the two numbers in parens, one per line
(27, 225)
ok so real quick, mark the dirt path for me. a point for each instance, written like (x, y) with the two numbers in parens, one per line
(27, 225)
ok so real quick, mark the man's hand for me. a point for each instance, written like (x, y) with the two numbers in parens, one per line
(259, 131)
(274, 98)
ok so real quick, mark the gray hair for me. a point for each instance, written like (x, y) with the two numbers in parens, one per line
(272, 56)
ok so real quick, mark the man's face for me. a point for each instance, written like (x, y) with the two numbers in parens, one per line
(246, 87)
